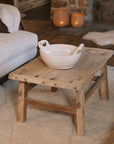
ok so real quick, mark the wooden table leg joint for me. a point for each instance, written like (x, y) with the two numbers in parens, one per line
(93, 87)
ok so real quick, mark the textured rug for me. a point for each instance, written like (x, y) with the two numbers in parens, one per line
(50, 127)
(107, 138)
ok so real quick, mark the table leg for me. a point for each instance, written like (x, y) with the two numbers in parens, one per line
(22, 107)
(80, 113)
(104, 85)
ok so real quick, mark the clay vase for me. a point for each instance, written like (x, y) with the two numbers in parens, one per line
(60, 17)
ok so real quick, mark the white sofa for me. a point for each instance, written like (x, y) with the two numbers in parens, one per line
(16, 47)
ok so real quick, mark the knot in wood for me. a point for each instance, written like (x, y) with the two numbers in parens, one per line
(78, 105)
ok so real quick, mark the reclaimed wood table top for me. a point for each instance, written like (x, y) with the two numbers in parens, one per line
(37, 72)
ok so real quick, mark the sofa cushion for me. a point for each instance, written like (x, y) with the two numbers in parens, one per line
(13, 44)
(3, 27)
(7, 18)
(15, 62)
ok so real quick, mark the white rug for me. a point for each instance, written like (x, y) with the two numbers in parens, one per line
(101, 38)
(107, 138)
(45, 127)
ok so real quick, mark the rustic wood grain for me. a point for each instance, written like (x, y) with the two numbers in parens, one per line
(80, 112)
(21, 102)
(54, 89)
(104, 85)
(50, 106)
(94, 86)
(36, 72)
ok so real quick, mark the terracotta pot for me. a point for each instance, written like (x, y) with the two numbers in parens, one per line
(77, 20)
(60, 17)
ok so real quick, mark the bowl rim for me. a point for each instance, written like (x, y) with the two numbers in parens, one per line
(41, 50)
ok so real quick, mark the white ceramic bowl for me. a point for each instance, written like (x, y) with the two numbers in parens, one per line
(59, 56)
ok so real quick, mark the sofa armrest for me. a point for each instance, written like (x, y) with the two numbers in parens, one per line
(10, 15)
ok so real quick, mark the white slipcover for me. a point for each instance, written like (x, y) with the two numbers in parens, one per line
(16, 47)
(10, 15)
(13, 63)
(16, 43)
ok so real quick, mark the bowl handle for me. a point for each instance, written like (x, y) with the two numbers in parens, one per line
(79, 49)
(43, 43)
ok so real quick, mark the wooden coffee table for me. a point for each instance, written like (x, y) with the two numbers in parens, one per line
(36, 72)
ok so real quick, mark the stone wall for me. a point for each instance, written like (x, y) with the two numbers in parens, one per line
(97, 10)
(82, 6)
(103, 11)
